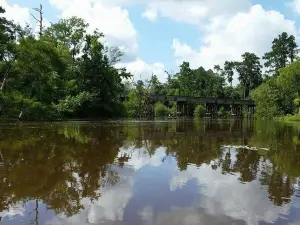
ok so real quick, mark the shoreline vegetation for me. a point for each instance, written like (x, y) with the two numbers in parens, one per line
(65, 72)
(289, 118)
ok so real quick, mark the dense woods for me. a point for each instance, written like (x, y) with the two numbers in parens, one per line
(65, 71)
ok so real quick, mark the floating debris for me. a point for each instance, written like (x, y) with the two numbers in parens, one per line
(245, 147)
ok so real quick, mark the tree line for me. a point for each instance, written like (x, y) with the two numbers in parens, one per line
(64, 71)
(67, 72)
(261, 82)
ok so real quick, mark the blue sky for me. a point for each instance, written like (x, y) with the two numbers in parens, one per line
(158, 35)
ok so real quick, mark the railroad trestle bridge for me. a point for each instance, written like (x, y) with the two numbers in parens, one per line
(212, 105)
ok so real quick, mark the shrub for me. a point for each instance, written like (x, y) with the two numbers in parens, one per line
(292, 118)
(199, 111)
(222, 112)
(173, 109)
(161, 110)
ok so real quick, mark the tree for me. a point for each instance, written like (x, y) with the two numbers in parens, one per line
(135, 102)
(249, 71)
(172, 85)
(70, 72)
(69, 34)
(228, 71)
(99, 77)
(7, 35)
(155, 87)
(198, 82)
(276, 96)
(218, 69)
(65, 72)
(185, 78)
(232, 92)
(284, 51)
(266, 98)
(36, 79)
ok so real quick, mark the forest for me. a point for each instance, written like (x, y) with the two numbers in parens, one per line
(67, 72)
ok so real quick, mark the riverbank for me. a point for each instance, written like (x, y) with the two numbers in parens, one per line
(289, 118)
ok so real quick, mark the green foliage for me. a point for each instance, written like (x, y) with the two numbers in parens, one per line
(161, 110)
(14, 103)
(69, 72)
(155, 87)
(276, 96)
(199, 111)
(222, 113)
(73, 132)
(249, 71)
(65, 73)
(297, 101)
(73, 104)
(68, 34)
(266, 97)
(173, 109)
(292, 118)
(232, 93)
(284, 51)
(132, 104)
(195, 82)
(228, 71)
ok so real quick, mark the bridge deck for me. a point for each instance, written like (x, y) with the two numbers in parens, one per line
(203, 100)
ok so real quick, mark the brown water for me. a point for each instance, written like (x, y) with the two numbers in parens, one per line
(150, 173)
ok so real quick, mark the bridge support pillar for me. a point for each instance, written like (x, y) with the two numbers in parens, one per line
(237, 111)
(233, 111)
(208, 111)
(251, 111)
(178, 108)
(211, 110)
(186, 107)
(182, 108)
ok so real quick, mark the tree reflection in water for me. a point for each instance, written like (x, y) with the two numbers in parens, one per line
(61, 164)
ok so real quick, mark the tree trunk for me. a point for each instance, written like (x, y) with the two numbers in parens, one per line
(21, 114)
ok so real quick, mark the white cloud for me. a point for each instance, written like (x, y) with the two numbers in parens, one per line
(17, 209)
(192, 11)
(108, 18)
(296, 5)
(150, 15)
(16, 13)
(61, 4)
(226, 195)
(219, 199)
(251, 31)
(140, 157)
(142, 70)
(109, 208)
(21, 15)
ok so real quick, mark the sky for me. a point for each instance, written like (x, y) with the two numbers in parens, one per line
(156, 36)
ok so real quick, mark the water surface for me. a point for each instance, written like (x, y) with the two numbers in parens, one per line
(150, 173)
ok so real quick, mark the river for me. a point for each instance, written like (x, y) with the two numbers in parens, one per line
(176, 172)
